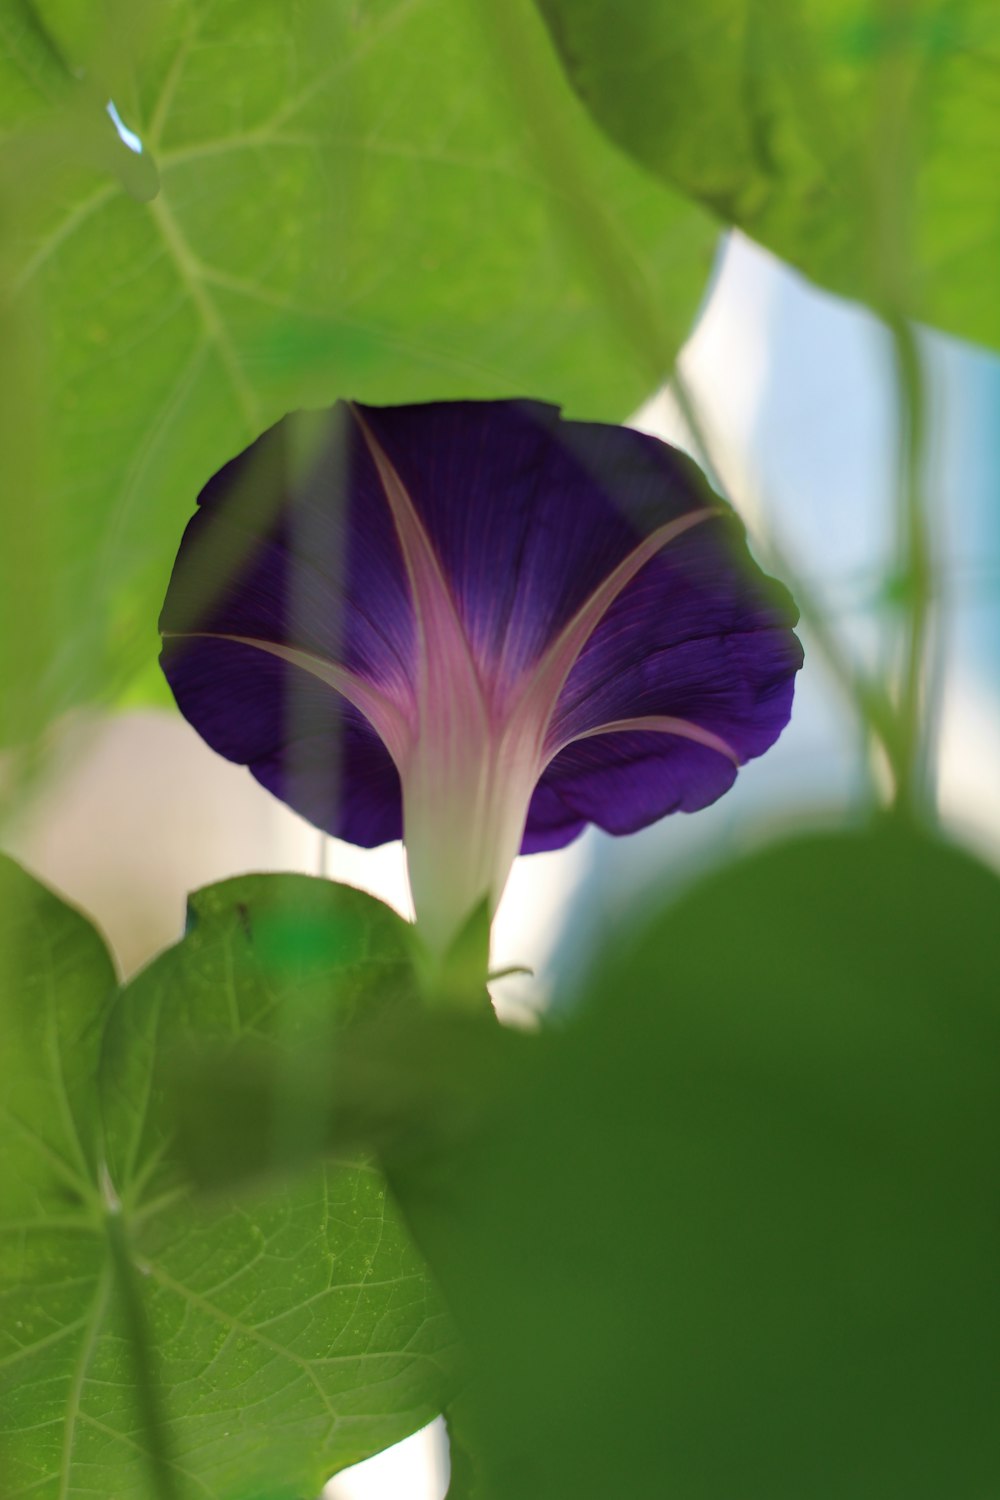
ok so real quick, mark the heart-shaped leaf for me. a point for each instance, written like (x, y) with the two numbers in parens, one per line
(339, 200)
(156, 1343)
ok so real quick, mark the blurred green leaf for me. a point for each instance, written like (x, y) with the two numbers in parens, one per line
(347, 206)
(856, 138)
(734, 1232)
(28, 593)
(156, 1344)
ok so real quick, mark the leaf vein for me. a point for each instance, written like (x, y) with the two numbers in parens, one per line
(92, 1323)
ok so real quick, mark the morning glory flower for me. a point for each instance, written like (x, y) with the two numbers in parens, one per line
(476, 626)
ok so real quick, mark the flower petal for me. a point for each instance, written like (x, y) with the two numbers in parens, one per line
(446, 671)
(382, 714)
(735, 690)
(529, 513)
(300, 553)
(304, 560)
(682, 729)
(700, 634)
(551, 824)
(623, 781)
(301, 740)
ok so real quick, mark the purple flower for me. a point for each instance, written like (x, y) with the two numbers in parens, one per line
(476, 626)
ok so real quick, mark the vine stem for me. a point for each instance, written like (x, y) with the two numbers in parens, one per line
(891, 182)
(917, 578)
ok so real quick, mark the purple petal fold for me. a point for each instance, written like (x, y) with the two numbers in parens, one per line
(310, 561)
(301, 741)
(529, 513)
(623, 782)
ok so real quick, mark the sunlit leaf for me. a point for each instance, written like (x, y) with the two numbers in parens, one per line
(855, 138)
(150, 1343)
(340, 202)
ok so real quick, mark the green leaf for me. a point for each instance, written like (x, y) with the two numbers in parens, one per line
(151, 1342)
(347, 206)
(734, 1231)
(27, 584)
(856, 138)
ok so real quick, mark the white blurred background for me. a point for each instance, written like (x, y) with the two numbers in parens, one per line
(795, 391)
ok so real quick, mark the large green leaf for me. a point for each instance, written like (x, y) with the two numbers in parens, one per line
(347, 206)
(857, 138)
(240, 1347)
(734, 1233)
